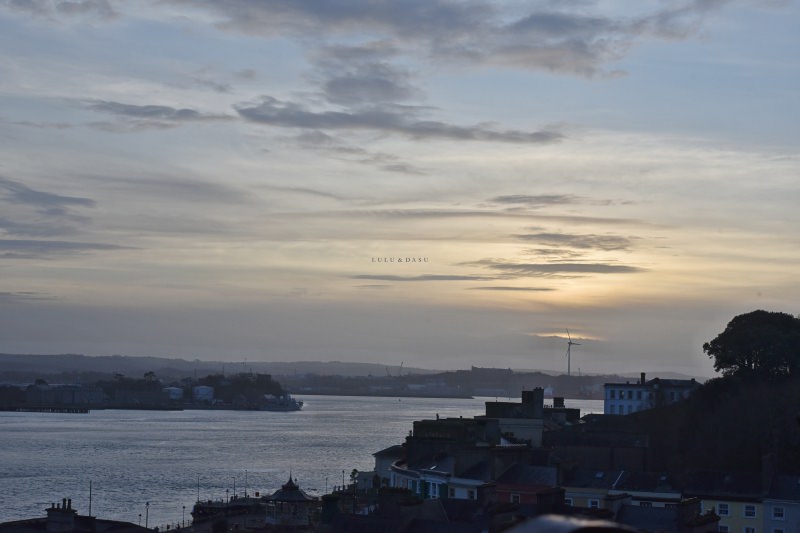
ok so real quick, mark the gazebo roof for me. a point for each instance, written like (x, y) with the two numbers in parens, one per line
(290, 492)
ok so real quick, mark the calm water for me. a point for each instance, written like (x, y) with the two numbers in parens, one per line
(132, 457)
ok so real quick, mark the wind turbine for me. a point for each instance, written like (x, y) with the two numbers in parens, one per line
(570, 344)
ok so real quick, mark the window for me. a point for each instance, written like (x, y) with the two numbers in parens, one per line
(612, 394)
(749, 530)
(630, 409)
(723, 529)
(723, 509)
(471, 494)
(645, 504)
(778, 530)
(451, 492)
(594, 504)
(621, 409)
(778, 513)
(630, 395)
(749, 511)
(568, 501)
(638, 395)
(515, 498)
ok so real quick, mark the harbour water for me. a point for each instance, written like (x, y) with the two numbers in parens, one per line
(170, 458)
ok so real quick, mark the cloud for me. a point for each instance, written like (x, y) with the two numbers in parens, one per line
(147, 116)
(20, 193)
(60, 9)
(36, 213)
(22, 296)
(501, 288)
(324, 143)
(33, 249)
(274, 112)
(425, 277)
(42, 125)
(508, 270)
(598, 242)
(169, 187)
(553, 37)
(361, 75)
(34, 229)
(539, 200)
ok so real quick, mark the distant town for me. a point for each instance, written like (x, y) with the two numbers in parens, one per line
(666, 455)
(75, 381)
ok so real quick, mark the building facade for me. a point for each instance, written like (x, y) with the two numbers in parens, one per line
(630, 397)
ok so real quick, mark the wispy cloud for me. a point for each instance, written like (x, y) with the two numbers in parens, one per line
(596, 242)
(274, 112)
(17, 192)
(321, 142)
(32, 249)
(23, 296)
(425, 277)
(511, 270)
(139, 117)
(539, 200)
(544, 36)
(355, 76)
(37, 213)
(59, 9)
(512, 289)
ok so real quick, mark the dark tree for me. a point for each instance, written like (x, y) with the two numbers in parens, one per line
(760, 343)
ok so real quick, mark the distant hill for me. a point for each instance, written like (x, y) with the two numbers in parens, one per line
(24, 368)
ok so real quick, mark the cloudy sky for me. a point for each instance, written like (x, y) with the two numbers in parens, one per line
(438, 182)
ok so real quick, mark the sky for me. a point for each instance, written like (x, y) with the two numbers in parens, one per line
(434, 182)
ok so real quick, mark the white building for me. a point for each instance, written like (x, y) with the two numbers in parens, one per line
(203, 393)
(630, 397)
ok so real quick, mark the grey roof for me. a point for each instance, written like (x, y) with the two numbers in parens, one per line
(648, 518)
(290, 492)
(591, 478)
(731, 485)
(395, 450)
(481, 471)
(785, 487)
(647, 482)
(518, 474)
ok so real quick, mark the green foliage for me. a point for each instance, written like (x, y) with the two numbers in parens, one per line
(757, 344)
(729, 424)
(243, 390)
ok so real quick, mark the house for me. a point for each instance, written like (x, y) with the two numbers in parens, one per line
(528, 484)
(384, 459)
(736, 497)
(626, 398)
(781, 505)
(62, 518)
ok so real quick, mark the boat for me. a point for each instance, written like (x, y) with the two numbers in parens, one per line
(284, 402)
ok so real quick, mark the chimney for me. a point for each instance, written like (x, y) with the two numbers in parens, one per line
(61, 518)
(643, 377)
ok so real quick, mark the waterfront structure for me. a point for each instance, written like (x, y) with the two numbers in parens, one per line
(290, 508)
(626, 398)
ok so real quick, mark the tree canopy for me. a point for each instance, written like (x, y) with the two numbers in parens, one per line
(759, 343)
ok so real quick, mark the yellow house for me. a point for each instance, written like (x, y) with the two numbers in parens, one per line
(737, 516)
